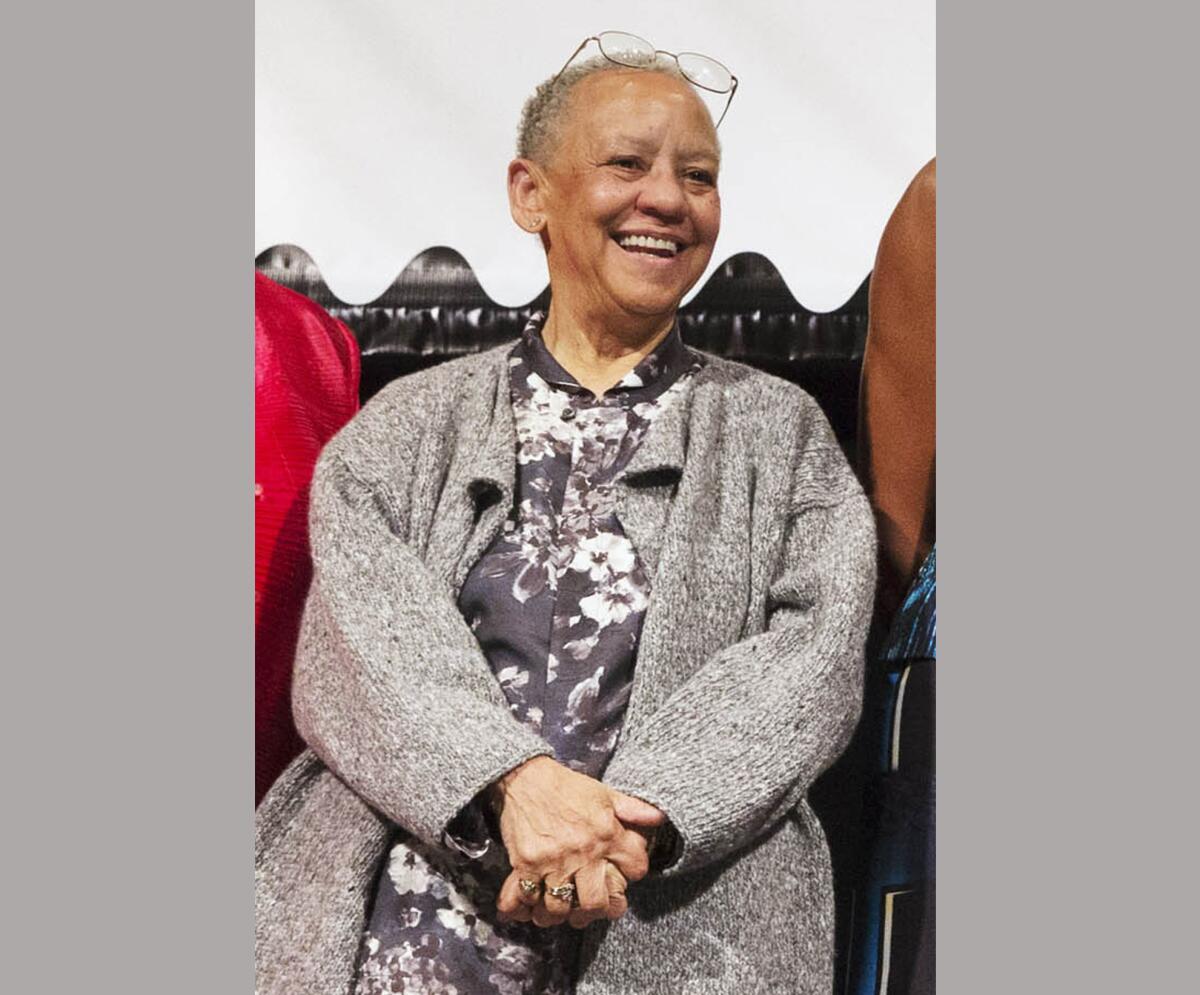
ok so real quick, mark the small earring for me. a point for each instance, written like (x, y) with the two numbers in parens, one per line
(535, 224)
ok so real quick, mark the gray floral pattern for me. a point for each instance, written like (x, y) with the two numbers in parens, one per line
(433, 932)
(556, 603)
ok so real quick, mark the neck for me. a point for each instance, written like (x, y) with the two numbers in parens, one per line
(599, 352)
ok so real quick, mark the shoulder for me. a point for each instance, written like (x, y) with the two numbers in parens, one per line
(430, 402)
(442, 385)
(783, 426)
(274, 300)
(294, 334)
(759, 401)
(282, 314)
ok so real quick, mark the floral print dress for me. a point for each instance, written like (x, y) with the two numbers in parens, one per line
(556, 603)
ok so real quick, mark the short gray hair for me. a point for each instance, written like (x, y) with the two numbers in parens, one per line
(541, 117)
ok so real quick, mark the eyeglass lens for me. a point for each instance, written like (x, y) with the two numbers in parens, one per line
(705, 72)
(630, 50)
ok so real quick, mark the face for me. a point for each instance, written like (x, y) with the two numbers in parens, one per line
(631, 203)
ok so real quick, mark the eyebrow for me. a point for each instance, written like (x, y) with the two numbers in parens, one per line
(642, 144)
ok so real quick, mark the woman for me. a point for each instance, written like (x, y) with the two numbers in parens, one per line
(306, 375)
(495, 541)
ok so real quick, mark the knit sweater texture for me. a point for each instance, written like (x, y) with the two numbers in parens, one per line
(761, 551)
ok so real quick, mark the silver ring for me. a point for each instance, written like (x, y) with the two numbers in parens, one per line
(564, 891)
(529, 886)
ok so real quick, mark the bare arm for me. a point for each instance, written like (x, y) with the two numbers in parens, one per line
(896, 406)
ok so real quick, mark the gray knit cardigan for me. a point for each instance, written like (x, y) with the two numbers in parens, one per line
(761, 552)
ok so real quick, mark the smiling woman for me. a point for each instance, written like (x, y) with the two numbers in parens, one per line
(586, 621)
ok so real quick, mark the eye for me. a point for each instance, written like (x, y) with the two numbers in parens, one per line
(628, 162)
(702, 177)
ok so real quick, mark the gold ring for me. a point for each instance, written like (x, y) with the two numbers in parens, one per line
(564, 891)
(529, 886)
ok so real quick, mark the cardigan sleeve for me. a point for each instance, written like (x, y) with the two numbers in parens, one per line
(391, 689)
(740, 742)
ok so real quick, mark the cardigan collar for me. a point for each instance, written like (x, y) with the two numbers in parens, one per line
(493, 464)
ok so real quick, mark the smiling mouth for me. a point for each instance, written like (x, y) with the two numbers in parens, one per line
(649, 245)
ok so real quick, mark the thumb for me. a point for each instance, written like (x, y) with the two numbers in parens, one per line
(635, 812)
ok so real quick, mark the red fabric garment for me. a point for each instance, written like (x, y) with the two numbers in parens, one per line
(306, 370)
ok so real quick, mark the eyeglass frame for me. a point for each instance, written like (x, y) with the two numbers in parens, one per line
(659, 51)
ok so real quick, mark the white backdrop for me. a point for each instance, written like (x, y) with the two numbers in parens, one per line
(383, 127)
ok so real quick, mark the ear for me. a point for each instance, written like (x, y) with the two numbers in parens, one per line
(527, 194)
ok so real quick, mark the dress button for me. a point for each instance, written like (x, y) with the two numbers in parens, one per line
(568, 414)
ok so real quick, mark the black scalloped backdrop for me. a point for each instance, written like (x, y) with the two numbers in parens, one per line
(436, 309)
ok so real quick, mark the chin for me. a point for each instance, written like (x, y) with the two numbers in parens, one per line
(650, 301)
(650, 307)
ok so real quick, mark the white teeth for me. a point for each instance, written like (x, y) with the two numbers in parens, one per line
(649, 242)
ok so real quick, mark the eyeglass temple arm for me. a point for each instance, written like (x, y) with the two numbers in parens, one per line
(657, 51)
(575, 53)
(732, 91)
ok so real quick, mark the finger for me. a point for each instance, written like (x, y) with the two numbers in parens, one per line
(528, 897)
(543, 917)
(635, 812)
(615, 885)
(618, 905)
(557, 906)
(591, 889)
(509, 899)
(631, 855)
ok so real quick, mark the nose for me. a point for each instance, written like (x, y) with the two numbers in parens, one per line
(662, 194)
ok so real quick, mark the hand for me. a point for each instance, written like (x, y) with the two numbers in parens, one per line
(600, 891)
(556, 825)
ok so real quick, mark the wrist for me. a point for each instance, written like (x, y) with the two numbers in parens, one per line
(499, 789)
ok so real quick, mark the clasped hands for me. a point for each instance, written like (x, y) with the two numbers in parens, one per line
(560, 827)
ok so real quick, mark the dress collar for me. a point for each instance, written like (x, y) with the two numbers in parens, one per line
(655, 373)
